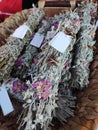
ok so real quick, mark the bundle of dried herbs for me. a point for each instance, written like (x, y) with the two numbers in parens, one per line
(12, 49)
(42, 96)
(23, 65)
(45, 77)
(83, 51)
(66, 102)
(11, 23)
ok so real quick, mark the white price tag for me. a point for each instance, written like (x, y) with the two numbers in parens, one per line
(96, 26)
(37, 40)
(61, 41)
(21, 31)
(5, 102)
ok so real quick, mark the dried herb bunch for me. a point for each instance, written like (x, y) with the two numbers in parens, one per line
(42, 96)
(24, 64)
(12, 49)
(66, 102)
(10, 24)
(84, 46)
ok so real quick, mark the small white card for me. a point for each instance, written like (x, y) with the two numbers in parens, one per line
(5, 101)
(96, 26)
(37, 40)
(21, 31)
(61, 41)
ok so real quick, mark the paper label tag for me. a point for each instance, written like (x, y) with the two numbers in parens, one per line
(5, 102)
(37, 40)
(21, 31)
(61, 41)
(96, 26)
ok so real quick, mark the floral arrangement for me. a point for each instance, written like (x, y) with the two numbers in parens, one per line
(84, 46)
(10, 51)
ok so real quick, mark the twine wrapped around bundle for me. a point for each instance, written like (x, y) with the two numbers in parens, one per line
(12, 49)
(11, 23)
(83, 54)
(41, 99)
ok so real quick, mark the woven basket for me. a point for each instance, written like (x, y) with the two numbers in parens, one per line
(53, 7)
(87, 107)
(8, 27)
(10, 24)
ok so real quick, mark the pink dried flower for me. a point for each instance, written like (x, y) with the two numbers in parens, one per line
(42, 88)
(35, 60)
(86, 64)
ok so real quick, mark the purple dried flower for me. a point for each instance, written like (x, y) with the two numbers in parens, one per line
(67, 65)
(18, 86)
(35, 60)
(19, 61)
(32, 36)
(34, 85)
(55, 24)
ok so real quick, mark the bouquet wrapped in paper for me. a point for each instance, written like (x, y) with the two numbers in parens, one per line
(42, 96)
